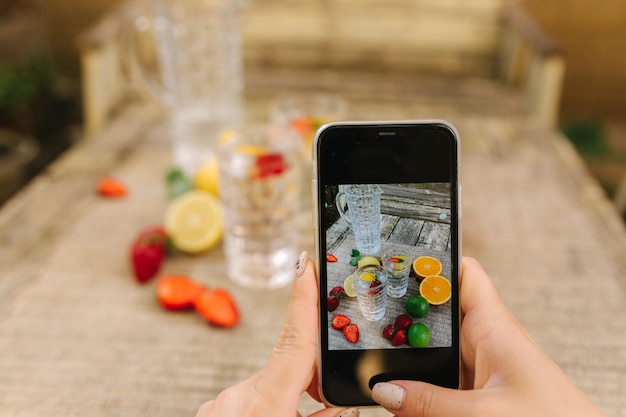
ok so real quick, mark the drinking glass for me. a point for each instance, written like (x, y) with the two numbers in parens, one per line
(259, 185)
(398, 267)
(371, 290)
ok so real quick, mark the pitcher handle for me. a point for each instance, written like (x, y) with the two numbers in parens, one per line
(342, 213)
(137, 33)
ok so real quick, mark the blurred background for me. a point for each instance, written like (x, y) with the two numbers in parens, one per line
(41, 108)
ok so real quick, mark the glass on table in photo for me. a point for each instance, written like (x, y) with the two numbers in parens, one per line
(371, 283)
(362, 214)
(259, 186)
(398, 268)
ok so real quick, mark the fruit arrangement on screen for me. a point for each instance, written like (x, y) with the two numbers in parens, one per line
(407, 328)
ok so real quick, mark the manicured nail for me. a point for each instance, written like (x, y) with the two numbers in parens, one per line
(349, 412)
(388, 395)
(301, 263)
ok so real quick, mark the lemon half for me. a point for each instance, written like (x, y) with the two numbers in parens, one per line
(194, 221)
(348, 286)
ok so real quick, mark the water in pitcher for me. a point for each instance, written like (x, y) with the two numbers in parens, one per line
(363, 215)
(199, 50)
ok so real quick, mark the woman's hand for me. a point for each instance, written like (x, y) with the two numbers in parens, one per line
(290, 371)
(505, 371)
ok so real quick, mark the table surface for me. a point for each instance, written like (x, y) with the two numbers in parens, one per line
(78, 337)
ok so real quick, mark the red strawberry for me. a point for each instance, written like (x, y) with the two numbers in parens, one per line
(147, 253)
(332, 303)
(389, 331)
(176, 292)
(217, 307)
(337, 292)
(374, 287)
(340, 321)
(111, 187)
(269, 164)
(351, 332)
(403, 322)
(399, 338)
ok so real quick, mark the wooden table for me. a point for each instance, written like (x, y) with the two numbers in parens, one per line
(78, 337)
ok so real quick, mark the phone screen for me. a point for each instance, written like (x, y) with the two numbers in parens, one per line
(388, 234)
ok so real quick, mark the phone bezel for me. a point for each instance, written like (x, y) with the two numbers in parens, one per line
(370, 132)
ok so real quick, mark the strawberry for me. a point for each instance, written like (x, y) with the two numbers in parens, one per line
(217, 307)
(389, 331)
(374, 287)
(351, 332)
(147, 253)
(177, 292)
(340, 321)
(337, 292)
(111, 187)
(399, 338)
(269, 164)
(403, 322)
(332, 303)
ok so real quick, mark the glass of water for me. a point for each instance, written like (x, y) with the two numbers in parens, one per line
(259, 187)
(371, 290)
(398, 267)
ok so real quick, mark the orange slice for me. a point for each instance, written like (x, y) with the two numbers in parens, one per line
(436, 289)
(425, 266)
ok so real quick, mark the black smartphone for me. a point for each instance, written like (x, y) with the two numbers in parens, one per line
(388, 250)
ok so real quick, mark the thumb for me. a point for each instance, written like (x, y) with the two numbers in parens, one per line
(293, 356)
(336, 412)
(420, 399)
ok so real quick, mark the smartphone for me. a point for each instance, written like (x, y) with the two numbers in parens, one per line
(388, 238)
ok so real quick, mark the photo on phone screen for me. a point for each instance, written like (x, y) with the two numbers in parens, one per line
(388, 242)
(387, 239)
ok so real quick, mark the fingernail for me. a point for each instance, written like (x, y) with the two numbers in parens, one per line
(301, 263)
(388, 395)
(349, 412)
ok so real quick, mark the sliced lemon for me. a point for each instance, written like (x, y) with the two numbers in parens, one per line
(207, 177)
(367, 260)
(367, 276)
(348, 286)
(195, 221)
(252, 150)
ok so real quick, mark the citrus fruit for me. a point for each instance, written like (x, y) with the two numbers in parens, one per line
(418, 335)
(367, 276)
(367, 260)
(425, 266)
(194, 221)
(348, 286)
(436, 289)
(207, 177)
(417, 306)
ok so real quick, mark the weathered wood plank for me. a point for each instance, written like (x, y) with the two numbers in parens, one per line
(407, 231)
(435, 236)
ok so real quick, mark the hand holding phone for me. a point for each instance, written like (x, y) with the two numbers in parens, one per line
(388, 242)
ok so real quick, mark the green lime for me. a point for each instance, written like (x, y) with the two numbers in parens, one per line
(418, 335)
(416, 306)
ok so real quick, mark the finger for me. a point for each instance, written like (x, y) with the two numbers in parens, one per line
(419, 399)
(205, 409)
(336, 412)
(293, 356)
